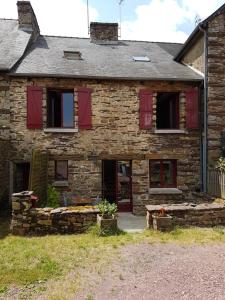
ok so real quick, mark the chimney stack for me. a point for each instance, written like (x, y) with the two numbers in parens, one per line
(27, 19)
(104, 33)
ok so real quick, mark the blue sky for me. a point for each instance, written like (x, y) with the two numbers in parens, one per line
(151, 20)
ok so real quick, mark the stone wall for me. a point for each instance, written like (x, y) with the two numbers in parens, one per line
(188, 215)
(216, 86)
(4, 140)
(195, 57)
(30, 221)
(115, 135)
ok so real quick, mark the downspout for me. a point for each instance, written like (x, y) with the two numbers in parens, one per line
(205, 116)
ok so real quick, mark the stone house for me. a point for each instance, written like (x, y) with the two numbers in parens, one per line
(204, 52)
(120, 119)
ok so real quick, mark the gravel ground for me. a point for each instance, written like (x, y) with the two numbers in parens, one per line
(163, 271)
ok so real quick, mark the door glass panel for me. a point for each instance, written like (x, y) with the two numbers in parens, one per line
(168, 172)
(155, 174)
(123, 184)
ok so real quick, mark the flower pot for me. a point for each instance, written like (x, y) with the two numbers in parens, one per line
(162, 223)
(107, 222)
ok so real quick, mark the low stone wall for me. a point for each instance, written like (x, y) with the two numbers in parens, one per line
(208, 214)
(40, 221)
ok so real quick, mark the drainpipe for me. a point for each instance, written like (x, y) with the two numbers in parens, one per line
(205, 115)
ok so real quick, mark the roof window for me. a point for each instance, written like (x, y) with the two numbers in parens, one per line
(141, 58)
(72, 55)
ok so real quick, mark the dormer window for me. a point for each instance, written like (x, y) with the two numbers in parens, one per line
(141, 58)
(72, 55)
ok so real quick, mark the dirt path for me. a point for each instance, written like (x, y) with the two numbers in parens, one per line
(164, 271)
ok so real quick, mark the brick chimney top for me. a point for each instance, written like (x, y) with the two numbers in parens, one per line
(104, 33)
(27, 19)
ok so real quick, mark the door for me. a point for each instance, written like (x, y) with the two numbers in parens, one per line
(117, 183)
(124, 185)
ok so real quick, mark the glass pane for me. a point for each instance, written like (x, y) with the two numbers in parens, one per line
(168, 172)
(61, 170)
(68, 110)
(155, 174)
(123, 182)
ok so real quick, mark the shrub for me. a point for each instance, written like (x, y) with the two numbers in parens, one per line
(220, 164)
(107, 209)
(53, 199)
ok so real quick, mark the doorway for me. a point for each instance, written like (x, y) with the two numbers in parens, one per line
(21, 177)
(117, 183)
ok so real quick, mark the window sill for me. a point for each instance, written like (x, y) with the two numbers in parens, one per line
(164, 131)
(164, 191)
(61, 130)
(60, 183)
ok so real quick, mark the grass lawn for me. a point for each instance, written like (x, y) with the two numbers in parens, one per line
(46, 261)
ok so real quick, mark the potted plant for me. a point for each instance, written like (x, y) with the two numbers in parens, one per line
(106, 218)
(162, 221)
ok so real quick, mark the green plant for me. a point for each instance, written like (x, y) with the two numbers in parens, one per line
(106, 209)
(53, 199)
(220, 164)
(3, 289)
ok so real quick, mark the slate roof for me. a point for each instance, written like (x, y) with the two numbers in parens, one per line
(13, 43)
(45, 58)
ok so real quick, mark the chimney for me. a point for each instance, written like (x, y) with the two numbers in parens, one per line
(27, 19)
(104, 33)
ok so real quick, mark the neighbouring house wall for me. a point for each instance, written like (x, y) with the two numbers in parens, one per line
(216, 86)
(115, 135)
(4, 140)
(195, 56)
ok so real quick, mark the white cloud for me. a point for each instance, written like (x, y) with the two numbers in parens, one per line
(160, 19)
(201, 8)
(67, 17)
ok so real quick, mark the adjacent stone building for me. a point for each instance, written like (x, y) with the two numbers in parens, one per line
(118, 119)
(204, 52)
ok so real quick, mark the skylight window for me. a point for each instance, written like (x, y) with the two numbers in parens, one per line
(141, 58)
(73, 55)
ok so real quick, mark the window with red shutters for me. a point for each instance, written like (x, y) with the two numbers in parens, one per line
(60, 109)
(192, 112)
(84, 108)
(167, 110)
(145, 109)
(34, 107)
(163, 173)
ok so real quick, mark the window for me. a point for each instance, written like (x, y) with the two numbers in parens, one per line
(61, 170)
(167, 111)
(163, 173)
(141, 58)
(60, 109)
(72, 55)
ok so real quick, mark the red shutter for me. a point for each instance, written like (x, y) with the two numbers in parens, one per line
(84, 108)
(145, 109)
(34, 107)
(192, 120)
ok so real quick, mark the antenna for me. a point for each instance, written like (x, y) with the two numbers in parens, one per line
(120, 12)
(88, 17)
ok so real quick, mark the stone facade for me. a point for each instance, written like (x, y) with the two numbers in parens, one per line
(27, 220)
(216, 86)
(4, 139)
(115, 134)
(195, 57)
